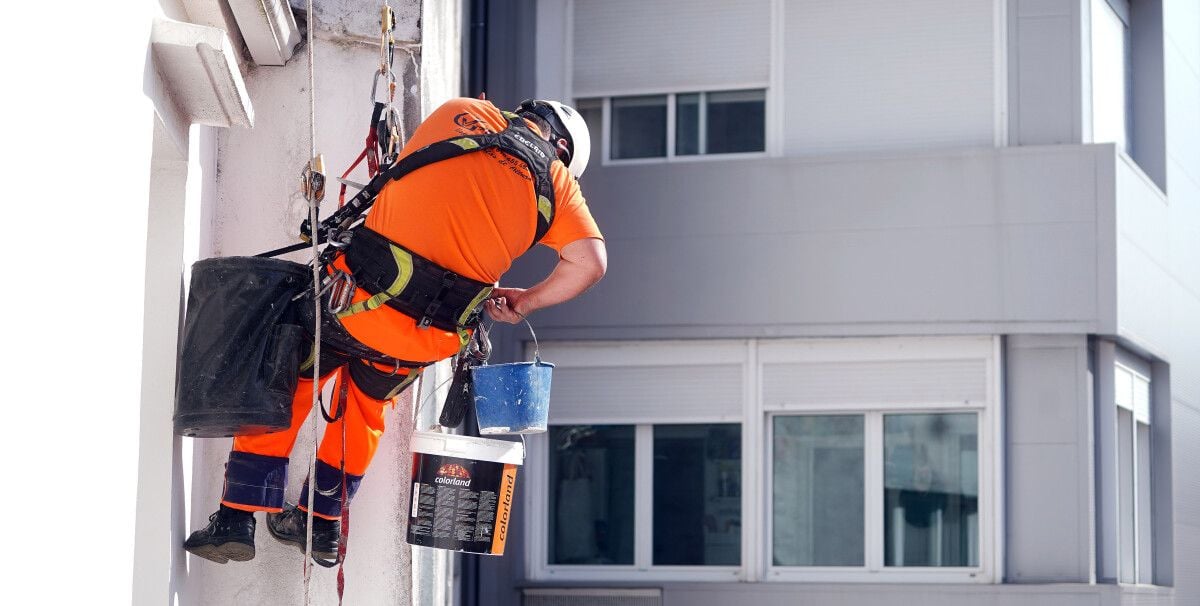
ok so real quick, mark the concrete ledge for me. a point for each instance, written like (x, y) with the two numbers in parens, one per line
(199, 71)
(269, 28)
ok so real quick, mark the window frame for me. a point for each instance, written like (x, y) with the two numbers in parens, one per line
(874, 569)
(606, 97)
(756, 431)
(1140, 414)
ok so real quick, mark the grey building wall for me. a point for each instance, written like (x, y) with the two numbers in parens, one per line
(1048, 441)
(971, 241)
(1182, 73)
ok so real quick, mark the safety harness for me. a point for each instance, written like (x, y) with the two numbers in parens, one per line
(401, 279)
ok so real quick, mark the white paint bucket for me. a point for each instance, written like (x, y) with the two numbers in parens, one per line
(462, 492)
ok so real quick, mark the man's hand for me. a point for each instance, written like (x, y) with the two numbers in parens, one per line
(507, 305)
(580, 265)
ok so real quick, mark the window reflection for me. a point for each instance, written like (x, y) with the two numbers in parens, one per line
(931, 490)
(591, 494)
(697, 495)
(639, 127)
(817, 500)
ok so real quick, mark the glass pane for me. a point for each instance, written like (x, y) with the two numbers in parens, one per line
(687, 124)
(736, 122)
(817, 499)
(639, 127)
(1145, 556)
(698, 495)
(592, 111)
(931, 489)
(1126, 491)
(591, 494)
(1111, 88)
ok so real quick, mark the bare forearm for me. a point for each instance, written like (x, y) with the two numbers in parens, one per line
(568, 280)
(580, 265)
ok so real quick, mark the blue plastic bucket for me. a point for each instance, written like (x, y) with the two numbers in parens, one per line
(512, 398)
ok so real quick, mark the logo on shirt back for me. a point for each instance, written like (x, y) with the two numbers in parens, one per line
(469, 123)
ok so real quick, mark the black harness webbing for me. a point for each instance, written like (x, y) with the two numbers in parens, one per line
(411, 284)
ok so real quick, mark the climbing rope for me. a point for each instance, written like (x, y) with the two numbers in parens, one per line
(313, 193)
(389, 139)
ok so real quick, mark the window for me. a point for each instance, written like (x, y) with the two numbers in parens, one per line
(878, 461)
(931, 488)
(1112, 89)
(1132, 394)
(591, 495)
(683, 124)
(817, 493)
(639, 127)
(928, 491)
(695, 494)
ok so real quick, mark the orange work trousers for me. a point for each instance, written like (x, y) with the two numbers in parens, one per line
(364, 382)
(256, 474)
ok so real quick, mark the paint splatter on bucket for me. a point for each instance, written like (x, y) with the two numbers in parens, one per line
(512, 398)
(462, 492)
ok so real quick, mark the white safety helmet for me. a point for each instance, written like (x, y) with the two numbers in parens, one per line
(569, 133)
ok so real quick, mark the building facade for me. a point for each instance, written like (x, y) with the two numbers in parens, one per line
(902, 305)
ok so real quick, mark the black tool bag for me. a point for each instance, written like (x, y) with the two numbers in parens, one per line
(242, 344)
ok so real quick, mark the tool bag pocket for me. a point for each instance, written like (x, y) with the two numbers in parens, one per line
(240, 355)
(281, 368)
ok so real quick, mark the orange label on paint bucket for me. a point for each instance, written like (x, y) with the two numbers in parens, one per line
(508, 481)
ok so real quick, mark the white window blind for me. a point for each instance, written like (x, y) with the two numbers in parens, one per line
(799, 384)
(626, 45)
(646, 394)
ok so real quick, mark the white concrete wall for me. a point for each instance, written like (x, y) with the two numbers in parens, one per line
(257, 207)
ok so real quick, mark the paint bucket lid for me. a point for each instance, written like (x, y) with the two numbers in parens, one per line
(466, 447)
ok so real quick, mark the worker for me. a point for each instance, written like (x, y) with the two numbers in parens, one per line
(429, 254)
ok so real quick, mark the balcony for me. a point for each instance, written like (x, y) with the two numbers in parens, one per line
(1047, 239)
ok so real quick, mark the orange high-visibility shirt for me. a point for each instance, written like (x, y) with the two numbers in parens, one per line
(473, 215)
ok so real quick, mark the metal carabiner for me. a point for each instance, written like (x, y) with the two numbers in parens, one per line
(391, 78)
(341, 292)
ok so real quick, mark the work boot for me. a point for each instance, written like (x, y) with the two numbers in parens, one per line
(291, 526)
(228, 536)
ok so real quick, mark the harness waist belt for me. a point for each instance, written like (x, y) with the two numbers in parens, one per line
(411, 284)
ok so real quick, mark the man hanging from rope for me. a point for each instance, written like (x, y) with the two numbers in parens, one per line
(414, 277)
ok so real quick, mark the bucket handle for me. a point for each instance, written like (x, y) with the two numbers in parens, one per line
(537, 351)
(431, 394)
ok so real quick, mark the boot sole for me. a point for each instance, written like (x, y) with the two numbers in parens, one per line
(238, 552)
(324, 558)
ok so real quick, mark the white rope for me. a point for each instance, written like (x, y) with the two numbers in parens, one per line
(313, 212)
